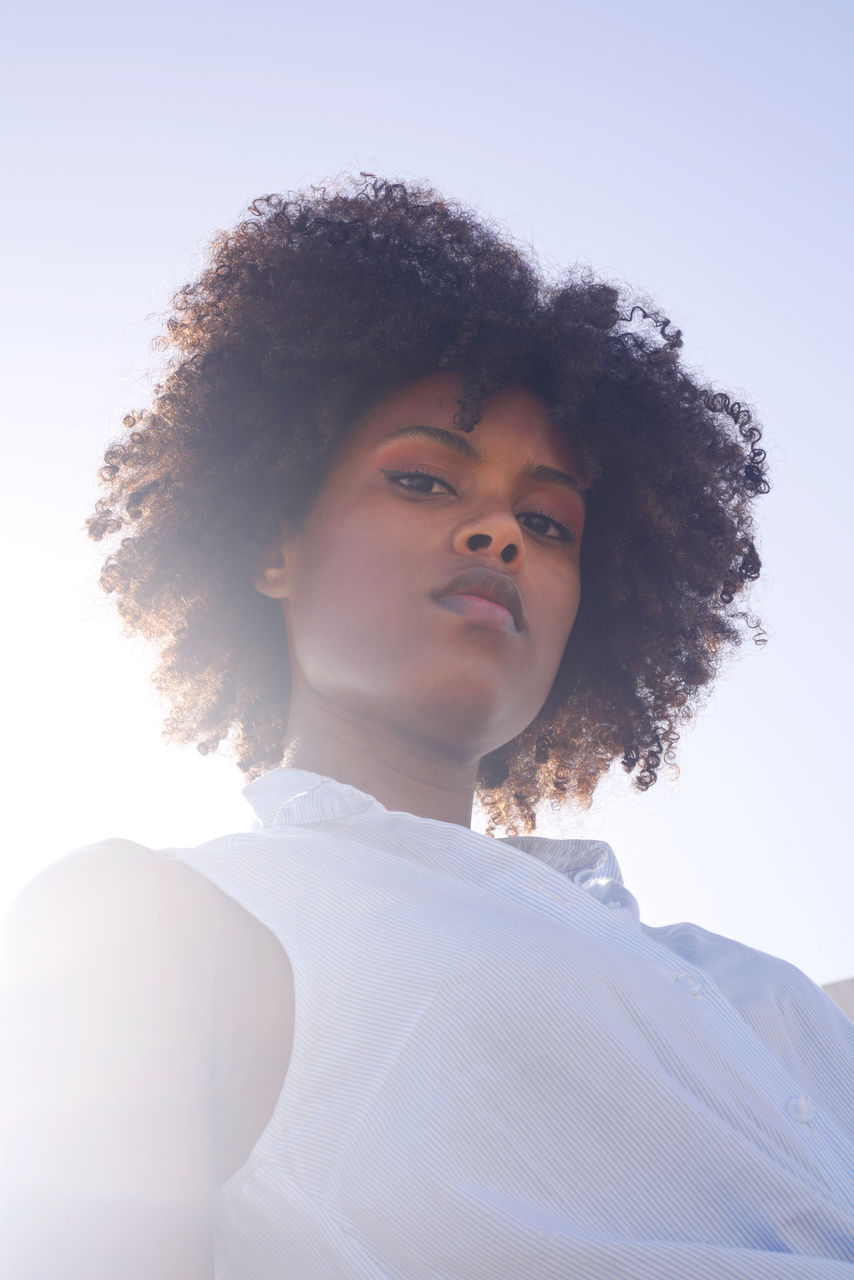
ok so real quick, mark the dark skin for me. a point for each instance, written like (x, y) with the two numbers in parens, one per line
(404, 676)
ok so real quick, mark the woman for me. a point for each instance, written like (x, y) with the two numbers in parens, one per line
(363, 1040)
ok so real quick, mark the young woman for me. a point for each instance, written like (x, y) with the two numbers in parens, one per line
(424, 527)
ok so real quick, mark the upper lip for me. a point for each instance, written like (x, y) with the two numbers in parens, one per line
(489, 584)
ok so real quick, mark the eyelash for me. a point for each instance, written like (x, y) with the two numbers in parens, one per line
(398, 478)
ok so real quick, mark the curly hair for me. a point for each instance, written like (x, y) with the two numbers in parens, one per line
(306, 313)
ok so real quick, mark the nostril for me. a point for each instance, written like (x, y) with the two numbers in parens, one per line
(478, 541)
(509, 552)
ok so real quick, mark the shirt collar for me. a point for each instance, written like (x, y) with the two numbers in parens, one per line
(297, 797)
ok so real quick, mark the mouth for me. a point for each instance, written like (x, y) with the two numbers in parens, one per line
(484, 595)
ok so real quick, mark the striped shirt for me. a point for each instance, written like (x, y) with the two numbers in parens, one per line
(499, 1073)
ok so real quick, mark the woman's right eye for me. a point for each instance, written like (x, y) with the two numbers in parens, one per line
(417, 481)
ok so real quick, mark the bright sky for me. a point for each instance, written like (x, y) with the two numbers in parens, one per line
(698, 151)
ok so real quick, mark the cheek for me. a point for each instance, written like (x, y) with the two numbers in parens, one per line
(559, 611)
(351, 600)
(562, 598)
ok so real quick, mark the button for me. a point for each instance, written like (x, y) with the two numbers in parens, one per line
(801, 1109)
(690, 980)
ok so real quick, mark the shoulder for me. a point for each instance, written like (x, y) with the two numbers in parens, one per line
(168, 971)
(105, 1056)
(113, 898)
(117, 912)
(102, 873)
(116, 937)
(113, 953)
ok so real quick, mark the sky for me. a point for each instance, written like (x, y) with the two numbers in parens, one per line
(698, 153)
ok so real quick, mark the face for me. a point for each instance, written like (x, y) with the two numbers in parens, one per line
(433, 586)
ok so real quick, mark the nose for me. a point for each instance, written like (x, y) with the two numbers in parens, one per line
(495, 531)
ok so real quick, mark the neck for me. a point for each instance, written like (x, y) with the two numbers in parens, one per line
(402, 773)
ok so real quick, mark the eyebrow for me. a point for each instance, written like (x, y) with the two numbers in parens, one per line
(439, 435)
(538, 472)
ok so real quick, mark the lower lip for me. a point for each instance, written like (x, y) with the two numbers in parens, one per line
(488, 613)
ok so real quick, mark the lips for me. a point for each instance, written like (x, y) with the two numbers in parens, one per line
(486, 584)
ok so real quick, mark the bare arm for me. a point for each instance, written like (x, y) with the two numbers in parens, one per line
(105, 1069)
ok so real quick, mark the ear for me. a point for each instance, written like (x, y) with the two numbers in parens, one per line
(272, 576)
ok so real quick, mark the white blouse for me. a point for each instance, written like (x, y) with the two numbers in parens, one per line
(499, 1073)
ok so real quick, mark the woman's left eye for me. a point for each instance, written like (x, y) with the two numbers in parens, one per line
(545, 526)
(420, 482)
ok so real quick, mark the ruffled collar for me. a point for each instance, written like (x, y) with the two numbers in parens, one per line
(297, 797)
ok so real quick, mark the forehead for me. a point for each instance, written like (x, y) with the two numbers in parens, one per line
(516, 420)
